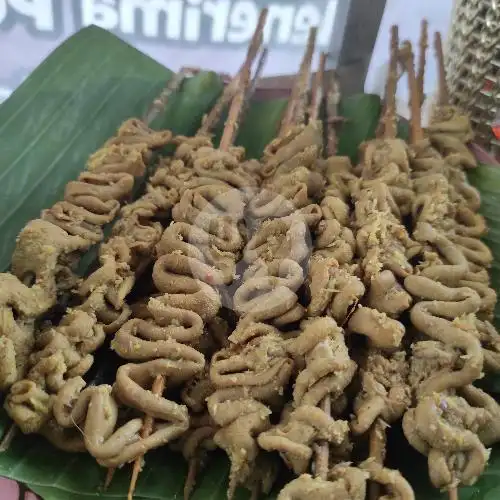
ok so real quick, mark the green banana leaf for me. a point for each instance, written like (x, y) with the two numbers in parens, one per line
(67, 108)
(64, 111)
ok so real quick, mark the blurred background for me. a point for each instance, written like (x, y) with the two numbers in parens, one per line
(214, 33)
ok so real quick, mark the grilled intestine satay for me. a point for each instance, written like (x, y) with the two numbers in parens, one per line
(311, 424)
(48, 248)
(450, 129)
(450, 416)
(383, 196)
(251, 374)
(383, 244)
(196, 254)
(66, 350)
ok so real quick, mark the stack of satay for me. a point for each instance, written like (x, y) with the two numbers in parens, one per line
(295, 307)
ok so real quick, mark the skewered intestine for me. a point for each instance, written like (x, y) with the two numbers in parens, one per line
(253, 371)
(345, 482)
(444, 425)
(450, 129)
(383, 244)
(385, 392)
(327, 371)
(258, 363)
(103, 309)
(48, 248)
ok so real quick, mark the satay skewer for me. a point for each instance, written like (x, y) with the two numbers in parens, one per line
(205, 129)
(415, 121)
(157, 106)
(388, 129)
(261, 63)
(321, 465)
(387, 126)
(303, 82)
(229, 132)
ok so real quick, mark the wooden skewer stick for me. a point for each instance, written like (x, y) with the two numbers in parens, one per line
(8, 437)
(443, 94)
(158, 105)
(416, 132)
(332, 93)
(421, 58)
(317, 89)
(300, 111)
(261, 63)
(389, 116)
(377, 447)
(213, 117)
(231, 126)
(322, 450)
(147, 428)
(303, 75)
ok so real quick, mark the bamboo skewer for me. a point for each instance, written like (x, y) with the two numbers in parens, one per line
(231, 126)
(159, 104)
(322, 463)
(332, 93)
(387, 126)
(299, 115)
(443, 94)
(299, 91)
(8, 437)
(416, 131)
(317, 91)
(389, 118)
(261, 63)
(424, 43)
(147, 428)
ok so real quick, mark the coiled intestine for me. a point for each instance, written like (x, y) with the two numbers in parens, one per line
(446, 312)
(65, 351)
(196, 253)
(450, 131)
(334, 286)
(385, 250)
(326, 370)
(346, 482)
(48, 248)
(443, 424)
(257, 364)
(251, 372)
